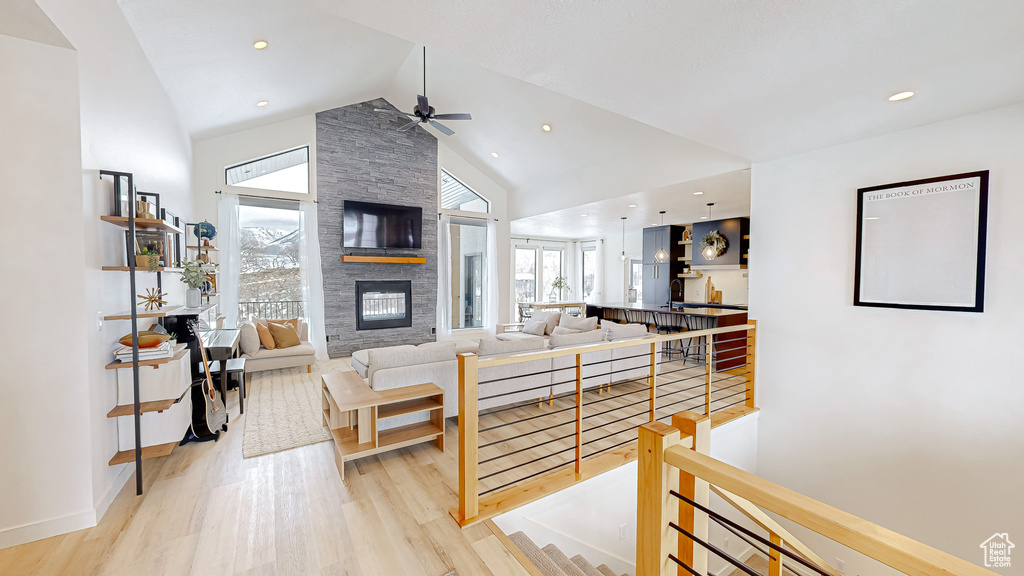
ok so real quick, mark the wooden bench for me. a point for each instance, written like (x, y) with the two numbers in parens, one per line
(352, 410)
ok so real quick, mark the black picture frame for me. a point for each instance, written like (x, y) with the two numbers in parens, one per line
(921, 244)
(173, 240)
(121, 197)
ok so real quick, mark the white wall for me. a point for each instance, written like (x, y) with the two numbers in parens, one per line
(45, 476)
(910, 419)
(104, 109)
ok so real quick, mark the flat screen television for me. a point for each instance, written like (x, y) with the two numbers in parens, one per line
(369, 225)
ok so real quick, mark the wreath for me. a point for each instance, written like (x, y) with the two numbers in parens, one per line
(713, 245)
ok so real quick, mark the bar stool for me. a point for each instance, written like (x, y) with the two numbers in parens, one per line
(638, 317)
(235, 369)
(694, 322)
(670, 323)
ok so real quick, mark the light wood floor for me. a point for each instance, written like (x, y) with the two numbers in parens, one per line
(208, 511)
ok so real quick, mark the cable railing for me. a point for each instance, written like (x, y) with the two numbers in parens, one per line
(676, 478)
(272, 309)
(535, 422)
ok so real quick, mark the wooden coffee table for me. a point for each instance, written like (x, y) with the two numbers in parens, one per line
(352, 410)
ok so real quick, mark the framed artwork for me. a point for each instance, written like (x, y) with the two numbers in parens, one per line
(173, 240)
(921, 244)
(154, 240)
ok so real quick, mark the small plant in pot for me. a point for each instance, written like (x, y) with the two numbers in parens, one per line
(560, 283)
(193, 276)
(148, 259)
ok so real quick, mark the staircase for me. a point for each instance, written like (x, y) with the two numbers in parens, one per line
(553, 562)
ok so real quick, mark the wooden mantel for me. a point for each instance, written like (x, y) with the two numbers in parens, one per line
(347, 259)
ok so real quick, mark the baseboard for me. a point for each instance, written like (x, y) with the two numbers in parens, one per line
(26, 533)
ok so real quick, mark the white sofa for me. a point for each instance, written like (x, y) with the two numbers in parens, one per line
(400, 366)
(258, 358)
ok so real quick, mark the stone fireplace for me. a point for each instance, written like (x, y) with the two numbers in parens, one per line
(383, 304)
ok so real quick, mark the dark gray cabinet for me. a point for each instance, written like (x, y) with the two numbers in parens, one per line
(658, 275)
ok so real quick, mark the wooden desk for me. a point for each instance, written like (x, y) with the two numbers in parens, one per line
(352, 410)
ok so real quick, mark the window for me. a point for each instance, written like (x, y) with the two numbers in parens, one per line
(457, 196)
(469, 273)
(636, 275)
(589, 273)
(526, 274)
(283, 172)
(552, 270)
(269, 284)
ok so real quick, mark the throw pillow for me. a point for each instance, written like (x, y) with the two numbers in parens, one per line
(491, 346)
(535, 327)
(578, 339)
(248, 338)
(550, 318)
(626, 331)
(563, 330)
(265, 337)
(293, 321)
(575, 323)
(284, 335)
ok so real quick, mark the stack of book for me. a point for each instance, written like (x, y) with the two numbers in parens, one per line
(164, 350)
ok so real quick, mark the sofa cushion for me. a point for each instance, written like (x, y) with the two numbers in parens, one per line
(285, 335)
(359, 361)
(248, 338)
(511, 336)
(563, 330)
(492, 346)
(549, 318)
(535, 327)
(626, 331)
(303, 349)
(464, 346)
(265, 336)
(574, 323)
(396, 356)
(578, 339)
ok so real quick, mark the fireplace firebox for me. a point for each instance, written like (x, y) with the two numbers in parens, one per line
(383, 304)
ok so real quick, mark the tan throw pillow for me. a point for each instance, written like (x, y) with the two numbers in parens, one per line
(284, 335)
(265, 337)
(248, 338)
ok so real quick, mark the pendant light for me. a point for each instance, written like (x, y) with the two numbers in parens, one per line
(622, 257)
(661, 255)
(710, 252)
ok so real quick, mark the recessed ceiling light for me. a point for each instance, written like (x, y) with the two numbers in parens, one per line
(600, 229)
(546, 127)
(901, 96)
(872, 218)
(259, 44)
(583, 215)
(495, 154)
(698, 193)
(261, 103)
(632, 205)
(703, 217)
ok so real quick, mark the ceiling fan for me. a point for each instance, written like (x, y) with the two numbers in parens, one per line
(423, 112)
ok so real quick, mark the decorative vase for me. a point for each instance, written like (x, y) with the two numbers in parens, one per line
(553, 296)
(193, 298)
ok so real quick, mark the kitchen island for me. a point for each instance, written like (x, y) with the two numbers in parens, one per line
(693, 316)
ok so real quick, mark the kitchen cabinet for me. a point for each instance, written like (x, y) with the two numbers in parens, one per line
(658, 275)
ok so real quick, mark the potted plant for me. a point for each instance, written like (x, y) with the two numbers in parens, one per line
(560, 283)
(173, 339)
(148, 259)
(193, 276)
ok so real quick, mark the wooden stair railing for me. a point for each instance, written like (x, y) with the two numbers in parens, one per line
(676, 456)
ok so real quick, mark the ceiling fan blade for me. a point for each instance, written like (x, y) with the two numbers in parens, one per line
(424, 106)
(444, 129)
(392, 111)
(453, 116)
(409, 125)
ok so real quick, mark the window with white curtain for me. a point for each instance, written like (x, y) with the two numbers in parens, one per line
(537, 268)
(588, 273)
(469, 282)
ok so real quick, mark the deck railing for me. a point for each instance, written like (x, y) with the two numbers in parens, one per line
(676, 478)
(533, 423)
(272, 309)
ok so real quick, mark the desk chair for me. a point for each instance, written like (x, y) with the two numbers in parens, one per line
(236, 370)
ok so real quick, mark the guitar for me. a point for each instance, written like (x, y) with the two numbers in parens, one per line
(209, 417)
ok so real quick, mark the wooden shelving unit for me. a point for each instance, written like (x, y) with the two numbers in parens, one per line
(126, 456)
(129, 409)
(145, 223)
(179, 351)
(126, 269)
(347, 259)
(203, 250)
(690, 275)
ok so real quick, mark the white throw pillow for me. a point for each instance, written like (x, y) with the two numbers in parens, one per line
(491, 346)
(535, 327)
(248, 338)
(578, 339)
(626, 331)
(551, 318)
(563, 330)
(574, 323)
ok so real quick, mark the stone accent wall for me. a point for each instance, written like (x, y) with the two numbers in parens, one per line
(361, 156)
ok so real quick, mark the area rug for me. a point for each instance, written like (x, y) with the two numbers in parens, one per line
(283, 411)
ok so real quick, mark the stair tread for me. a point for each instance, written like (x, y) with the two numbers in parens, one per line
(605, 570)
(563, 562)
(541, 560)
(584, 565)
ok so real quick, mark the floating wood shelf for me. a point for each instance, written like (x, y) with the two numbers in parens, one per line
(147, 223)
(690, 275)
(126, 456)
(141, 314)
(140, 269)
(179, 351)
(203, 248)
(747, 237)
(383, 259)
(685, 242)
(129, 409)
(684, 259)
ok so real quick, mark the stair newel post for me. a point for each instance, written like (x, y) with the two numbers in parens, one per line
(654, 382)
(751, 356)
(469, 425)
(694, 521)
(579, 413)
(709, 353)
(656, 507)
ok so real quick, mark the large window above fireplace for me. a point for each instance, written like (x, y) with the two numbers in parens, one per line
(383, 304)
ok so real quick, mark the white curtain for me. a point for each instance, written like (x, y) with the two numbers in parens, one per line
(312, 280)
(444, 276)
(599, 273)
(491, 279)
(230, 267)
